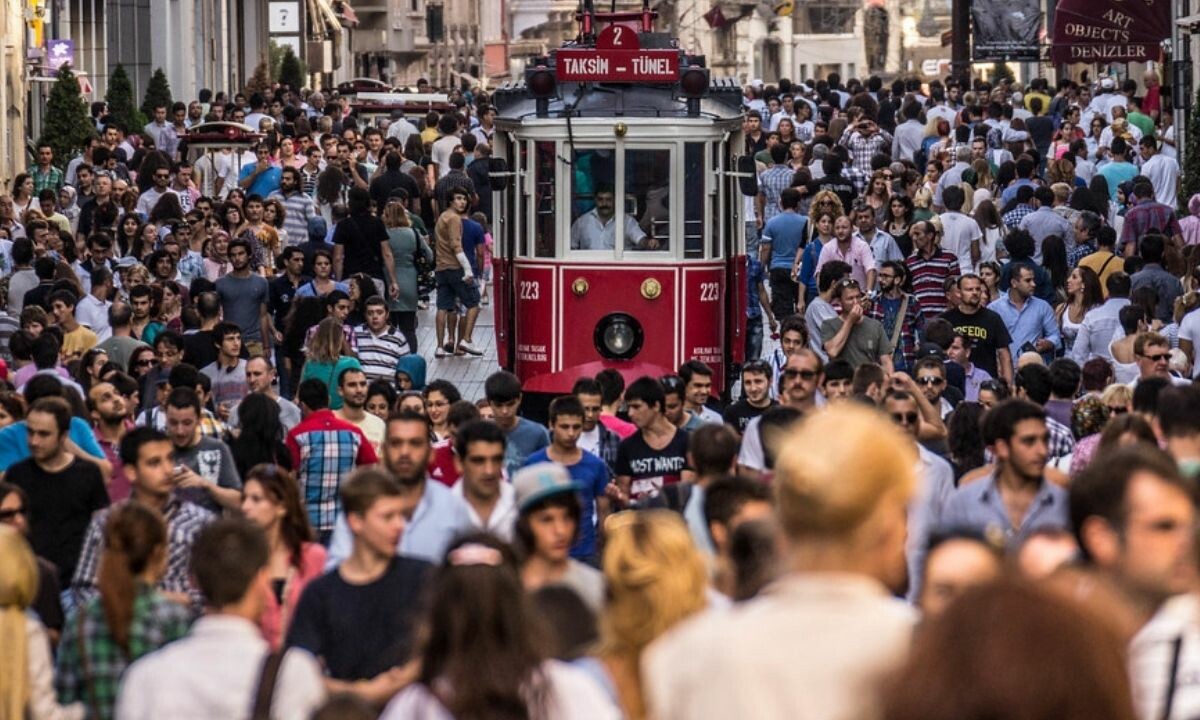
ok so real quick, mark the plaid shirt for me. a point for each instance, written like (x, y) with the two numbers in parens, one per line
(324, 450)
(910, 329)
(771, 183)
(862, 149)
(453, 180)
(928, 278)
(1079, 252)
(856, 176)
(51, 179)
(210, 426)
(1145, 216)
(1013, 217)
(87, 643)
(1062, 442)
(184, 522)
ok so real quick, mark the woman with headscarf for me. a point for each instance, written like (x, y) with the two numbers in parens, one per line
(68, 206)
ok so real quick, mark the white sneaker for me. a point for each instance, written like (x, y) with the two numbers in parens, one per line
(468, 348)
(440, 352)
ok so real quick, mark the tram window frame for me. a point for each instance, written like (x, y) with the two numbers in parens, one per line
(545, 211)
(523, 209)
(674, 248)
(696, 198)
(572, 196)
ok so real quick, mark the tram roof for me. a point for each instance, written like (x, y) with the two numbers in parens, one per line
(514, 102)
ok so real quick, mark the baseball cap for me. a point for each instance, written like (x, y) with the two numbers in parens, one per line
(1107, 83)
(540, 481)
(126, 262)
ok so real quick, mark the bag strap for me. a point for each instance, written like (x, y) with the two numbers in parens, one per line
(1105, 265)
(899, 326)
(266, 686)
(1169, 700)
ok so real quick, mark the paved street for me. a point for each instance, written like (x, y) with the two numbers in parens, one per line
(466, 372)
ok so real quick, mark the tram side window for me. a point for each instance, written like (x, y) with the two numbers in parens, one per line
(648, 198)
(593, 199)
(693, 200)
(544, 197)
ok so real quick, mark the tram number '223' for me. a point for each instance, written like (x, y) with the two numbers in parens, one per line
(710, 291)
(530, 290)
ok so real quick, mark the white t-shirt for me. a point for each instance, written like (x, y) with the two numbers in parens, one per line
(958, 232)
(1163, 173)
(1189, 329)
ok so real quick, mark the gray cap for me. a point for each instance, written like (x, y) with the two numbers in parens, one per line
(540, 481)
(317, 229)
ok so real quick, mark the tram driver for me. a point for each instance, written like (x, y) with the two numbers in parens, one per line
(596, 229)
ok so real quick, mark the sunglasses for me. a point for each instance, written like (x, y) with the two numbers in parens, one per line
(802, 374)
(1158, 357)
(1117, 409)
(7, 515)
(930, 380)
(908, 418)
(145, 363)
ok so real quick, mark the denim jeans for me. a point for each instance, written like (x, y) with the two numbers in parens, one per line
(754, 338)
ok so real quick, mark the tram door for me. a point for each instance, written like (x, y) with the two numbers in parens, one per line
(506, 184)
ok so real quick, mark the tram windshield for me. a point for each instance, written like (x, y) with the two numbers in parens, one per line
(630, 199)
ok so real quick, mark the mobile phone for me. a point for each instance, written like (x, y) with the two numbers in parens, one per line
(1028, 347)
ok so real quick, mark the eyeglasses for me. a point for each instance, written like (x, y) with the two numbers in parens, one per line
(908, 418)
(11, 513)
(1159, 357)
(930, 380)
(802, 374)
(437, 404)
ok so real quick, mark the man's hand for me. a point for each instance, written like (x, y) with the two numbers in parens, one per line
(856, 313)
(1043, 345)
(185, 477)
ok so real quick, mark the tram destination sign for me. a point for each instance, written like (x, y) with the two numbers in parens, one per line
(617, 66)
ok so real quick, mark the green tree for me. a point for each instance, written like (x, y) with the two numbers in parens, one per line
(121, 107)
(158, 93)
(67, 125)
(1191, 156)
(291, 73)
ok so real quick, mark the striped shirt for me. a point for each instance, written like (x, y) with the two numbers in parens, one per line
(380, 353)
(298, 210)
(928, 278)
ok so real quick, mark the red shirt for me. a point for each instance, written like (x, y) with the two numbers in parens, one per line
(441, 463)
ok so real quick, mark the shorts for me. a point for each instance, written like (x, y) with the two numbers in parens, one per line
(452, 289)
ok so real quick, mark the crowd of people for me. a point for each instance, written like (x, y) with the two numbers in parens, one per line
(962, 485)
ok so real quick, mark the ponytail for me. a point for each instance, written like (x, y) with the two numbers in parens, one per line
(133, 536)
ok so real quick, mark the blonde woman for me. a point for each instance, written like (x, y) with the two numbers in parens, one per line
(656, 578)
(26, 666)
(329, 355)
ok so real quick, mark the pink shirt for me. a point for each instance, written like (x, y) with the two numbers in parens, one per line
(276, 617)
(620, 427)
(859, 257)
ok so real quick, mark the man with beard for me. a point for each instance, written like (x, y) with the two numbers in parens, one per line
(986, 330)
(756, 396)
(110, 420)
(900, 313)
(298, 207)
(353, 384)
(798, 383)
(1135, 520)
(1016, 498)
(148, 199)
(435, 515)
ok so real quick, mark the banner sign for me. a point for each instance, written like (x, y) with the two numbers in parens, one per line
(1102, 31)
(1006, 29)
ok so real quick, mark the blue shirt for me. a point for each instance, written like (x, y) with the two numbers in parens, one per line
(14, 442)
(978, 507)
(265, 184)
(523, 440)
(808, 267)
(785, 233)
(1116, 173)
(439, 518)
(472, 237)
(592, 476)
(1028, 324)
(754, 275)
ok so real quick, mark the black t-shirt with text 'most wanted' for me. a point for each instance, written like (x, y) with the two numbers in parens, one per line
(650, 470)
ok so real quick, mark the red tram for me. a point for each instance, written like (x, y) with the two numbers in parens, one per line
(619, 227)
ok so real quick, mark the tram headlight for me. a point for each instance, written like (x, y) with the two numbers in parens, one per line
(693, 82)
(618, 336)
